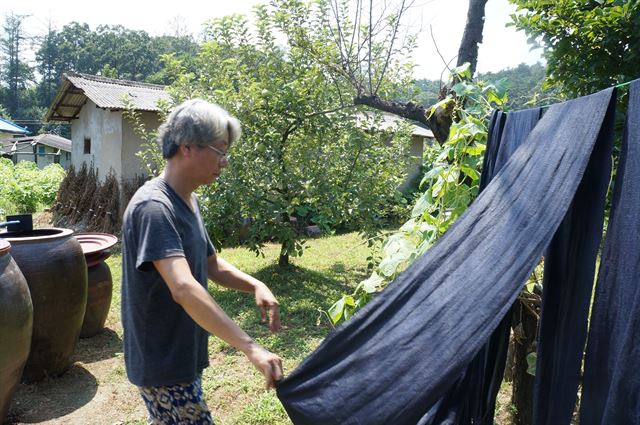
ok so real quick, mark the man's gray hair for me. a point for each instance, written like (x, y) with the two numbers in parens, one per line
(196, 122)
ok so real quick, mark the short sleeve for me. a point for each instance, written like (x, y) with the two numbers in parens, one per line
(211, 250)
(155, 234)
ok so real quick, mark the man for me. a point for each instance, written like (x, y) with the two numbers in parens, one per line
(167, 256)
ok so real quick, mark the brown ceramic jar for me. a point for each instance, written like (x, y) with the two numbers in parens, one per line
(16, 321)
(56, 271)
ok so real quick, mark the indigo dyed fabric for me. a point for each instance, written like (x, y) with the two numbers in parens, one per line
(393, 361)
(473, 399)
(611, 387)
(569, 268)
(517, 127)
(496, 126)
(490, 361)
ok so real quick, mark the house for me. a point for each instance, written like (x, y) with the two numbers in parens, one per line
(9, 129)
(100, 133)
(420, 135)
(43, 149)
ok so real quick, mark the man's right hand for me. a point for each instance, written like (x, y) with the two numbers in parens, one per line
(266, 362)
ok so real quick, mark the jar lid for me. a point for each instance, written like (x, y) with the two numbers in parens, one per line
(93, 242)
(4, 246)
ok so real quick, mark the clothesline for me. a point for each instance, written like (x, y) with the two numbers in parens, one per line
(617, 86)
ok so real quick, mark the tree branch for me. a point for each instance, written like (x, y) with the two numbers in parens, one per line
(439, 121)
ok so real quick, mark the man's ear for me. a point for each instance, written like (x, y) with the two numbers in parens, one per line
(184, 151)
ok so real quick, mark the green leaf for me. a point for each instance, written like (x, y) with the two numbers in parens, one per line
(421, 205)
(470, 172)
(531, 363)
(337, 309)
(373, 283)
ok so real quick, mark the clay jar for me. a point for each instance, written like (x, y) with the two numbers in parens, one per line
(95, 247)
(55, 269)
(16, 321)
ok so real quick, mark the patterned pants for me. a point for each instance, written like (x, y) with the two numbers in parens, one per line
(180, 404)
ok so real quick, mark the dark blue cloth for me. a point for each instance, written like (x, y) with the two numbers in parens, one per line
(496, 126)
(517, 127)
(611, 387)
(393, 361)
(569, 269)
(473, 399)
(490, 362)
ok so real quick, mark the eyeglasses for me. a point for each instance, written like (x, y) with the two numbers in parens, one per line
(223, 155)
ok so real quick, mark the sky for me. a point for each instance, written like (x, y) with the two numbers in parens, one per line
(502, 47)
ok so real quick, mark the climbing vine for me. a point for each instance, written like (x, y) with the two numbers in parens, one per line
(449, 186)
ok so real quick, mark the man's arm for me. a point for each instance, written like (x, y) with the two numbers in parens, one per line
(227, 275)
(203, 309)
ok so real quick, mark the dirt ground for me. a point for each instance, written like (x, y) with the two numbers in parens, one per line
(86, 394)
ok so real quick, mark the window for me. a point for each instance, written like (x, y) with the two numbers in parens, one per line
(41, 150)
(87, 145)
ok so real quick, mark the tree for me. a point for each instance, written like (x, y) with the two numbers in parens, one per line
(306, 155)
(448, 187)
(526, 86)
(16, 73)
(130, 53)
(46, 65)
(371, 42)
(588, 44)
(112, 51)
(169, 47)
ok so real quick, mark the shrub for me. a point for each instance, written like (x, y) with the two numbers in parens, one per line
(25, 188)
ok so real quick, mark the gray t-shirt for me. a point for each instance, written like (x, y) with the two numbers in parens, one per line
(162, 344)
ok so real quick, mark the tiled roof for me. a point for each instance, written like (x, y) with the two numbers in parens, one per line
(8, 146)
(107, 93)
(391, 121)
(7, 126)
(54, 141)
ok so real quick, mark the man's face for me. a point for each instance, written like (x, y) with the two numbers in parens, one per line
(209, 161)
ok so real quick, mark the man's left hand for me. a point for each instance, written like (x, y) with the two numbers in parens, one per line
(268, 306)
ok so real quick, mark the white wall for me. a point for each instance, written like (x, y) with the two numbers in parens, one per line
(104, 128)
(132, 143)
(415, 161)
(42, 159)
(114, 143)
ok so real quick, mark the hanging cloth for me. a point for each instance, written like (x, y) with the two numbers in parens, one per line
(569, 269)
(397, 357)
(490, 361)
(496, 127)
(611, 388)
(473, 399)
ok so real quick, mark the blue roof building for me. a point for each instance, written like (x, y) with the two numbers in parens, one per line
(9, 129)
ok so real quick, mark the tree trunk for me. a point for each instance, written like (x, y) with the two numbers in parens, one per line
(283, 260)
(472, 37)
(525, 325)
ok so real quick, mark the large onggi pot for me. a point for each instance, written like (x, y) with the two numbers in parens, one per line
(55, 269)
(98, 300)
(95, 247)
(16, 321)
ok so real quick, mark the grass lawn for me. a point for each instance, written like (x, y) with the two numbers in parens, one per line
(96, 391)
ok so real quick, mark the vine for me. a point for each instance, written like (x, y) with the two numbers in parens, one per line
(450, 186)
